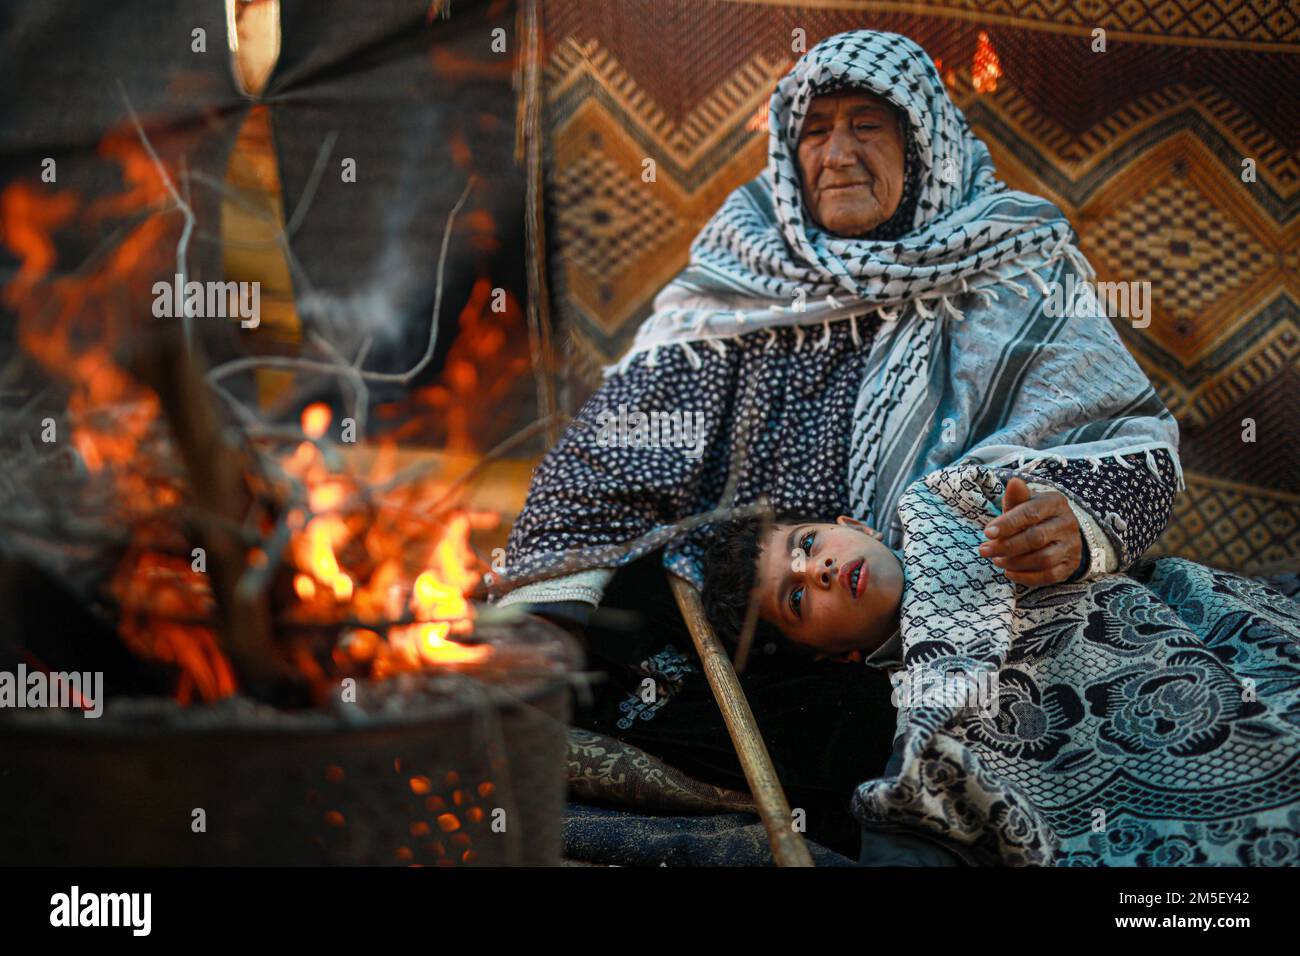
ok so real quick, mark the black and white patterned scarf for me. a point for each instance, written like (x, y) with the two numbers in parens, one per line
(762, 261)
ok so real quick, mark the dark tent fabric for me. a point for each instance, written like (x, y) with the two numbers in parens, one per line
(420, 106)
(419, 102)
(65, 66)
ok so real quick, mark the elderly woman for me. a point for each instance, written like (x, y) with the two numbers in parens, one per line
(869, 309)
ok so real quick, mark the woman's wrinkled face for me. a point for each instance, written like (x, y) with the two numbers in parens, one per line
(851, 156)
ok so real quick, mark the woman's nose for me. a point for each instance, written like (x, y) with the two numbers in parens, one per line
(839, 149)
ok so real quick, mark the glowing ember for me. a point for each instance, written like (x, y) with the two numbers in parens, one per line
(316, 420)
(304, 587)
(986, 68)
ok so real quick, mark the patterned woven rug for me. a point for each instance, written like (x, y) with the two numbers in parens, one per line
(1142, 145)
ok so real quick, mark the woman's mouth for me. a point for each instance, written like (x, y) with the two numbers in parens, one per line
(854, 577)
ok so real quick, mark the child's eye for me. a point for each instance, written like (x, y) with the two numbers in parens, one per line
(796, 596)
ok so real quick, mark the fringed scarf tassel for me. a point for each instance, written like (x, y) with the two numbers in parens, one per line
(826, 336)
(1038, 281)
(1080, 262)
(1035, 462)
(1151, 463)
(1016, 287)
(987, 294)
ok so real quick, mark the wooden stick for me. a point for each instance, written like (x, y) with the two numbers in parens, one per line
(216, 472)
(787, 845)
(530, 141)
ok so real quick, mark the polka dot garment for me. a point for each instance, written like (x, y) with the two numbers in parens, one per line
(789, 408)
(1130, 502)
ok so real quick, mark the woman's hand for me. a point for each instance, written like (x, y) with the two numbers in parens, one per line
(1036, 540)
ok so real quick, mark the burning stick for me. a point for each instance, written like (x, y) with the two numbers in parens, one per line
(216, 473)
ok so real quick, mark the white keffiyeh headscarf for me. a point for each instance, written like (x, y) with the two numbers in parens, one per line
(761, 261)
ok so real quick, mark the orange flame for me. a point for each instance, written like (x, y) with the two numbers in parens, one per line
(986, 69)
(355, 556)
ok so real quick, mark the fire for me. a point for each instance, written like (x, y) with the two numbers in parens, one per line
(451, 413)
(438, 600)
(384, 566)
(304, 586)
(346, 563)
(316, 420)
(434, 596)
(986, 69)
(316, 545)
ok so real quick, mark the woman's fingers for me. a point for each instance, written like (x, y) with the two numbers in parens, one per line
(1020, 509)
(1034, 541)
(1054, 555)
(1033, 537)
(1035, 579)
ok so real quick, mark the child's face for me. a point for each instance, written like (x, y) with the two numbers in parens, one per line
(833, 587)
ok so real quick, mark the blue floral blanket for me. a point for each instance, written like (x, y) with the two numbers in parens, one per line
(1150, 718)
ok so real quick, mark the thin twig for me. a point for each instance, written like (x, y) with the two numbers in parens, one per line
(182, 244)
(301, 280)
(607, 556)
(313, 181)
(332, 368)
(300, 209)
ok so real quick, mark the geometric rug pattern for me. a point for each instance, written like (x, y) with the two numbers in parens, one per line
(656, 110)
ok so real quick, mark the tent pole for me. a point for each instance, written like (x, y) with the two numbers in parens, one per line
(788, 847)
(529, 147)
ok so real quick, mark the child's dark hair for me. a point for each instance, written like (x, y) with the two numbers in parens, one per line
(730, 573)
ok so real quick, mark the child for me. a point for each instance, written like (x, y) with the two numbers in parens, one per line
(834, 590)
(827, 589)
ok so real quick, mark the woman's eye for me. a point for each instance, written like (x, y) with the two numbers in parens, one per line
(796, 601)
(867, 126)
